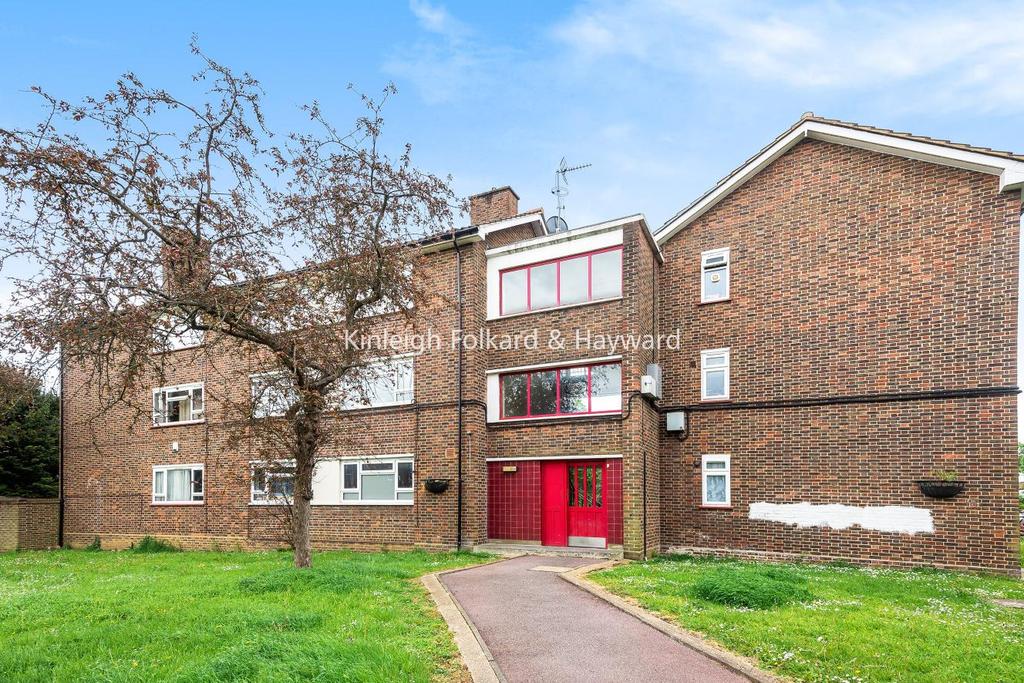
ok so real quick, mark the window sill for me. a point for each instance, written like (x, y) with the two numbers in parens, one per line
(266, 504)
(555, 308)
(357, 503)
(177, 424)
(553, 418)
(160, 352)
(714, 301)
(177, 503)
(725, 399)
(714, 507)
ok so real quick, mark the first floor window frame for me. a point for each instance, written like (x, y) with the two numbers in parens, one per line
(161, 420)
(280, 472)
(705, 472)
(528, 373)
(726, 269)
(368, 466)
(159, 485)
(705, 369)
(557, 263)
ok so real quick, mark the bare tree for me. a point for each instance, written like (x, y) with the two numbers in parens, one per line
(147, 216)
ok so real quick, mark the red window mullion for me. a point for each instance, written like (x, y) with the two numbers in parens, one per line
(529, 381)
(558, 392)
(528, 306)
(590, 277)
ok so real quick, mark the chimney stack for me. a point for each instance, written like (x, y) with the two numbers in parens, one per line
(496, 204)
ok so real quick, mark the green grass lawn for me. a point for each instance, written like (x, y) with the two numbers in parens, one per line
(855, 625)
(198, 616)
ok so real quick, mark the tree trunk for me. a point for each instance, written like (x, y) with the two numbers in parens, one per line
(307, 437)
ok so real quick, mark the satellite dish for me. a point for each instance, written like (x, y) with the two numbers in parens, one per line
(556, 224)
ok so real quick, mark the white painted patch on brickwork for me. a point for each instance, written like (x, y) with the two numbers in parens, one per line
(892, 518)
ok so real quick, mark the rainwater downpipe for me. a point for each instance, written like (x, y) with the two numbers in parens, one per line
(458, 391)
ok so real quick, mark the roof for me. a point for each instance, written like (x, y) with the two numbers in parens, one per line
(1007, 165)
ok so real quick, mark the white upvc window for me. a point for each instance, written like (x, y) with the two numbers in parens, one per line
(714, 374)
(179, 404)
(716, 481)
(178, 484)
(714, 275)
(377, 481)
(381, 383)
(273, 483)
(173, 334)
(272, 394)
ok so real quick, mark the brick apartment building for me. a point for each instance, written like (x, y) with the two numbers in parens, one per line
(840, 320)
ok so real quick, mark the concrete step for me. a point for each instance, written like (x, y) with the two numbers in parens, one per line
(501, 548)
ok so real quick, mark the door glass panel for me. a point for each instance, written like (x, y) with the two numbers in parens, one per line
(598, 486)
(572, 487)
(590, 486)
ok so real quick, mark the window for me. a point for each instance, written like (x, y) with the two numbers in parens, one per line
(272, 394)
(178, 404)
(715, 481)
(383, 383)
(273, 483)
(714, 275)
(172, 334)
(377, 481)
(571, 280)
(178, 484)
(578, 390)
(714, 374)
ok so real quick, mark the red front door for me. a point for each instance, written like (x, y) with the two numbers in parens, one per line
(553, 504)
(588, 516)
(573, 506)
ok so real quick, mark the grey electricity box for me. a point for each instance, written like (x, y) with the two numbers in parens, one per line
(675, 421)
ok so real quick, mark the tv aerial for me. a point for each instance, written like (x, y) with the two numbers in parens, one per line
(556, 223)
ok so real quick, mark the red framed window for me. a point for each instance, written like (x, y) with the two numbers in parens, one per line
(571, 390)
(575, 279)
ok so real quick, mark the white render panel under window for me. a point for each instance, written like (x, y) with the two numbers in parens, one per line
(714, 374)
(178, 484)
(377, 481)
(179, 404)
(714, 275)
(716, 481)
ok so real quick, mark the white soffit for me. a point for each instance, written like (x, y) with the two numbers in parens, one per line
(1010, 171)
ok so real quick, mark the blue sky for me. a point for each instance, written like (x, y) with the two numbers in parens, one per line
(662, 97)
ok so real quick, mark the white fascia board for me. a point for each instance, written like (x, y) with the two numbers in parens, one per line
(573, 234)
(1010, 172)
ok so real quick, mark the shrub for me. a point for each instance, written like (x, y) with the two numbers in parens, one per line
(152, 545)
(94, 545)
(752, 587)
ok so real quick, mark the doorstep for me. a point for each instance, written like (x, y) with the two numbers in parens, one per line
(513, 548)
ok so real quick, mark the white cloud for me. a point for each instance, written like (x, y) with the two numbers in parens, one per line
(448, 63)
(940, 56)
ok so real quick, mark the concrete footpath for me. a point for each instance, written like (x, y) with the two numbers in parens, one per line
(539, 627)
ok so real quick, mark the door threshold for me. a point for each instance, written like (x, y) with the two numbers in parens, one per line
(498, 547)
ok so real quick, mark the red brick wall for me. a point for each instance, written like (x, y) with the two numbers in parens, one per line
(28, 523)
(852, 273)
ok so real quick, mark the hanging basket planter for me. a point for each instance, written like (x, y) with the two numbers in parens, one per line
(937, 488)
(436, 485)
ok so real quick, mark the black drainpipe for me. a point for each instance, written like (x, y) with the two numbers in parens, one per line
(60, 453)
(458, 391)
